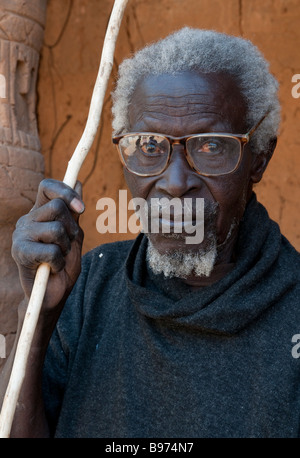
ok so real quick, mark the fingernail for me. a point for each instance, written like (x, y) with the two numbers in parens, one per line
(77, 205)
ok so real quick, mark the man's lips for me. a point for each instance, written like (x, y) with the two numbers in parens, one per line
(175, 224)
(160, 216)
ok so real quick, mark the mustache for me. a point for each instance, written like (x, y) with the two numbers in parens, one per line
(178, 216)
(175, 209)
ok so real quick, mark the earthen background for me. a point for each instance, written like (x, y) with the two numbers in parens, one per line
(72, 47)
(69, 62)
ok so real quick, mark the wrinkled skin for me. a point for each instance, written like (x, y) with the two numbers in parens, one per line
(191, 103)
(50, 233)
(178, 105)
(186, 104)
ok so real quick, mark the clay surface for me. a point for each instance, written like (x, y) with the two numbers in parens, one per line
(21, 161)
(70, 57)
(64, 78)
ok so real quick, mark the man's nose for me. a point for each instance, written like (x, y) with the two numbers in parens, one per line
(179, 178)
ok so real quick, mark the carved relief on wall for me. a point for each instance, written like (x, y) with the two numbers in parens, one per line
(21, 163)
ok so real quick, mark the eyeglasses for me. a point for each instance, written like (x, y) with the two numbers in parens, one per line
(209, 154)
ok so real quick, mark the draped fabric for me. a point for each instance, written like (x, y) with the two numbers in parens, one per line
(137, 355)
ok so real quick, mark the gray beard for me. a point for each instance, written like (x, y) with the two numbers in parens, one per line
(182, 264)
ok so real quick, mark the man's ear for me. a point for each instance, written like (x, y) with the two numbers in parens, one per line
(261, 160)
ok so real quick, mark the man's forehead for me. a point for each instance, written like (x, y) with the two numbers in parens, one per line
(189, 94)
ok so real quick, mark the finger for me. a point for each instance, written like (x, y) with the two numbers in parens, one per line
(54, 210)
(31, 254)
(78, 189)
(53, 232)
(50, 189)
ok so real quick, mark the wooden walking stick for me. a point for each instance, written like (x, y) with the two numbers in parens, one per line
(74, 165)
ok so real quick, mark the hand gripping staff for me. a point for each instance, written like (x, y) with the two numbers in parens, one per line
(74, 165)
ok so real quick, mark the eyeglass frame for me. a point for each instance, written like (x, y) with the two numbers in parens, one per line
(242, 138)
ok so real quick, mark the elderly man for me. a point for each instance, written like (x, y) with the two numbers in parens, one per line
(160, 338)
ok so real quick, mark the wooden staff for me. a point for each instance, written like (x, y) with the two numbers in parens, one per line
(74, 165)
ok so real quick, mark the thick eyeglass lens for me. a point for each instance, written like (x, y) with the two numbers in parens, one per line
(214, 155)
(211, 155)
(145, 154)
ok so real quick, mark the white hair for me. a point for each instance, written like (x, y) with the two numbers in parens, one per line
(182, 264)
(208, 52)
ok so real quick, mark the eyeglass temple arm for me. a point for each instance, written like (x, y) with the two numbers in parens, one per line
(251, 132)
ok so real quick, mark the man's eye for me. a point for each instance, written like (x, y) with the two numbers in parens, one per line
(211, 146)
(150, 147)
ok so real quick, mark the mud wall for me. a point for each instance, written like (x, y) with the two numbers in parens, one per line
(70, 56)
(21, 162)
(72, 45)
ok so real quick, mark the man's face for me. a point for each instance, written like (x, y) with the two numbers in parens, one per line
(192, 103)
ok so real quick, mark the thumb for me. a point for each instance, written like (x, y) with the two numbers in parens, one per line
(78, 188)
